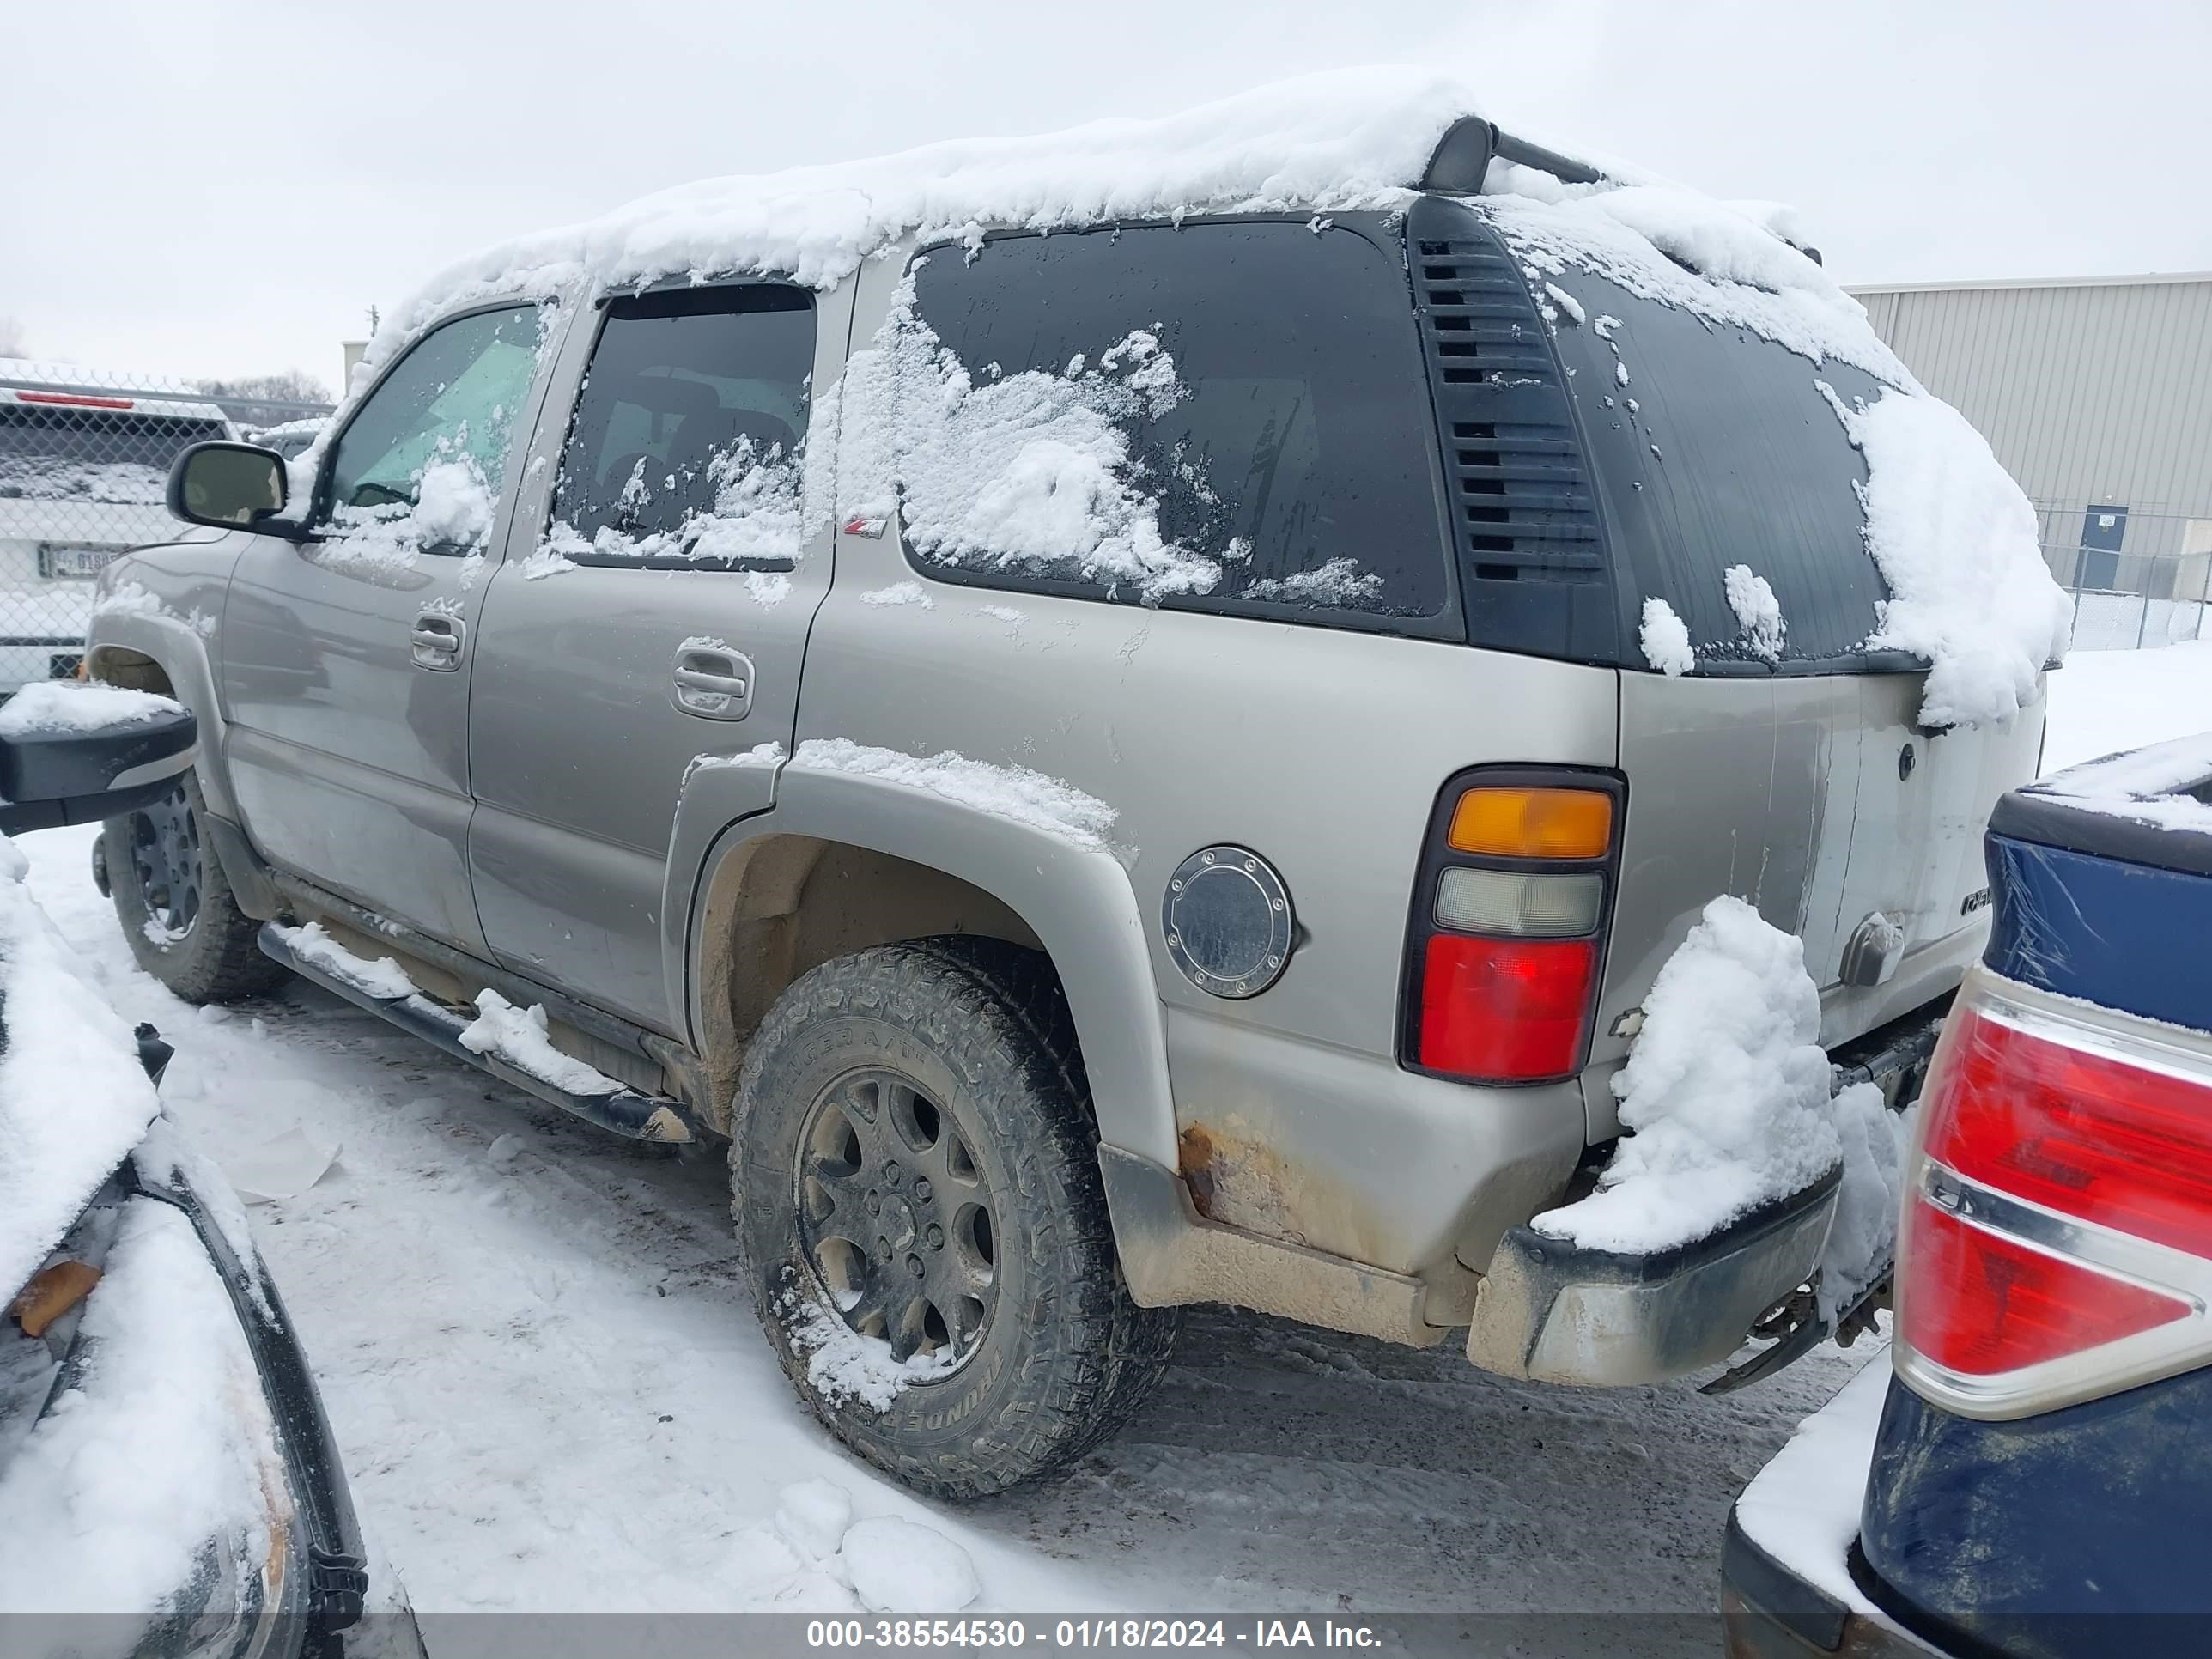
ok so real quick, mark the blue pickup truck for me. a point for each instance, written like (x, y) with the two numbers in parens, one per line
(2032, 1477)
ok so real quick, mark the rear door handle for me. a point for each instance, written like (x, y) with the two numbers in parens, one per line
(712, 682)
(435, 640)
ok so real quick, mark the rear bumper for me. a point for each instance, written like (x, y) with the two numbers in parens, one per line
(1555, 1312)
(1770, 1612)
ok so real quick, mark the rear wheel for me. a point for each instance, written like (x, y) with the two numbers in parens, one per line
(919, 1206)
(177, 913)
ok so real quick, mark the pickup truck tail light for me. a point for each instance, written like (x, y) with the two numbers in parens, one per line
(2057, 1241)
(1506, 939)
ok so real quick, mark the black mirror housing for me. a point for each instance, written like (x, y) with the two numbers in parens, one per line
(80, 774)
(231, 486)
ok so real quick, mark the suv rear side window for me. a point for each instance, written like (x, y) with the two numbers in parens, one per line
(1713, 448)
(1232, 417)
(688, 435)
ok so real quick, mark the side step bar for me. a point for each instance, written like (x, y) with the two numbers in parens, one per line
(626, 1111)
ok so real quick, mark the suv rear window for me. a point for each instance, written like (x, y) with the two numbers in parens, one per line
(1711, 447)
(1232, 416)
(63, 452)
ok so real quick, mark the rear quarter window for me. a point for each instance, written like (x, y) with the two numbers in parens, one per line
(1710, 447)
(1231, 415)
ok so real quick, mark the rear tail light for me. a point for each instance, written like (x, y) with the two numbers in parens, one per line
(1507, 933)
(2057, 1243)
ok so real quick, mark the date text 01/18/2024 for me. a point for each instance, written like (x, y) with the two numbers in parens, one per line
(1063, 1634)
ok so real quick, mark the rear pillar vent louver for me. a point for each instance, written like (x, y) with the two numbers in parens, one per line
(1521, 498)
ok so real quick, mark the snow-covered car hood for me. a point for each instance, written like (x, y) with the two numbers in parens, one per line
(74, 1098)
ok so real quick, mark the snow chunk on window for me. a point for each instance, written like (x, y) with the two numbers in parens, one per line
(1027, 473)
(51, 705)
(1566, 302)
(1014, 793)
(899, 593)
(1726, 1092)
(1338, 581)
(1956, 542)
(1666, 639)
(518, 1037)
(1753, 600)
(1685, 249)
(454, 509)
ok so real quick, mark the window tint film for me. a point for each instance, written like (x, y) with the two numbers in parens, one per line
(1715, 451)
(421, 465)
(1231, 415)
(687, 437)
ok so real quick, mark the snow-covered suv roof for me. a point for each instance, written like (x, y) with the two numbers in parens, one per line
(1340, 142)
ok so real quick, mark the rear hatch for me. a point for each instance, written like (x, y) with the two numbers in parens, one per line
(1643, 456)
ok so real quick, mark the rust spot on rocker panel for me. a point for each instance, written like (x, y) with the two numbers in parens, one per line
(1243, 1183)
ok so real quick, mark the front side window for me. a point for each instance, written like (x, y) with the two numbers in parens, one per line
(689, 436)
(1231, 415)
(421, 465)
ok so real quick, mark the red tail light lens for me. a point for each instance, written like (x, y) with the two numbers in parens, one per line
(2085, 1134)
(1981, 1304)
(1504, 1009)
(2058, 1208)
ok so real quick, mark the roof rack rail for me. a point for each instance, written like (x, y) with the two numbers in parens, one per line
(1463, 155)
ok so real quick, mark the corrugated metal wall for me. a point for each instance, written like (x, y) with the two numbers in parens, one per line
(2092, 394)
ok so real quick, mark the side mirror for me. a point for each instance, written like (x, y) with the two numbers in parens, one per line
(76, 753)
(231, 486)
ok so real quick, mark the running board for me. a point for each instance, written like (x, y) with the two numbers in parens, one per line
(626, 1111)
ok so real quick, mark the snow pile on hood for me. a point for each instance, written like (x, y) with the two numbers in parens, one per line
(162, 1445)
(74, 1099)
(1957, 543)
(1340, 141)
(1729, 1096)
(49, 706)
(1014, 793)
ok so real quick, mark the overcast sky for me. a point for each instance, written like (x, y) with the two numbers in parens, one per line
(221, 189)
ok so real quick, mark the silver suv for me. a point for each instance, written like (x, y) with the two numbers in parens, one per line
(1116, 768)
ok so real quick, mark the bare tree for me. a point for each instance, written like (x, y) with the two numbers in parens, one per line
(11, 338)
(294, 386)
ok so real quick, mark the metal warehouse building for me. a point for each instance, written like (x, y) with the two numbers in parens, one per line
(2096, 393)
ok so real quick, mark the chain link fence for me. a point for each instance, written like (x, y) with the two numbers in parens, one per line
(84, 471)
(2139, 579)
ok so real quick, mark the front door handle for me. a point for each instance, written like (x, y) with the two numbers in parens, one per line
(713, 682)
(435, 640)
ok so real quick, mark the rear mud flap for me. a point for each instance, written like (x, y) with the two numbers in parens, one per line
(1554, 1312)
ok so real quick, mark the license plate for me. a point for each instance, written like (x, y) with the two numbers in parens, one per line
(75, 561)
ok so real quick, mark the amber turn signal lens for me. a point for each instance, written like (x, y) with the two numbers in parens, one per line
(1534, 823)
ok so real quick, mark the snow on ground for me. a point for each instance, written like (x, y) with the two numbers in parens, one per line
(2106, 701)
(552, 1394)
